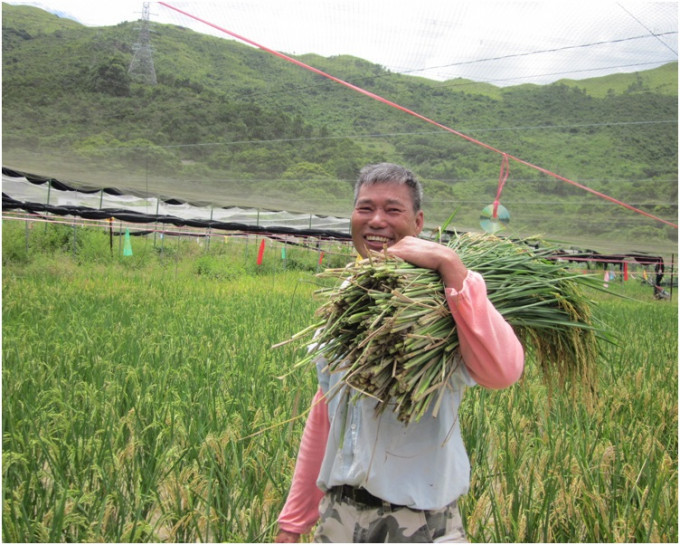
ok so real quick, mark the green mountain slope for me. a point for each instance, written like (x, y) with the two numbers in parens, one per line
(231, 124)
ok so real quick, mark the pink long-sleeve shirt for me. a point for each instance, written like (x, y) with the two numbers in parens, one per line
(493, 357)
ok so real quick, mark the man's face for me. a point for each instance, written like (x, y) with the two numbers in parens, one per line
(383, 215)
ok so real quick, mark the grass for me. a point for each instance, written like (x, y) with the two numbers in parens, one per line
(142, 402)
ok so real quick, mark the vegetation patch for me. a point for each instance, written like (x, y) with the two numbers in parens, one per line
(145, 404)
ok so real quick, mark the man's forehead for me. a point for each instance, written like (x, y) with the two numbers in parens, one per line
(388, 200)
(391, 192)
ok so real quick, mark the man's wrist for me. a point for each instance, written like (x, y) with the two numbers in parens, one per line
(284, 536)
(453, 273)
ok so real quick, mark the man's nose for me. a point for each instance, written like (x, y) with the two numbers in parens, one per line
(377, 219)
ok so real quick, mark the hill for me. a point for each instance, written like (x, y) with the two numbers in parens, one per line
(235, 125)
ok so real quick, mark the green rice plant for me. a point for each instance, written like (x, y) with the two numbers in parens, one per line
(131, 396)
(603, 471)
(144, 404)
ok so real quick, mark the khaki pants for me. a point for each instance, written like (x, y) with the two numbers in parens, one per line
(345, 521)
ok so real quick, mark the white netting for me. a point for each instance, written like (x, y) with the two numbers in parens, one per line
(304, 159)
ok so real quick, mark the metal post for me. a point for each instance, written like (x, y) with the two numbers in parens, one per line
(177, 253)
(74, 237)
(672, 274)
(49, 188)
(110, 220)
(158, 202)
(207, 245)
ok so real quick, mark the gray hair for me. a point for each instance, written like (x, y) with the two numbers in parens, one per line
(390, 173)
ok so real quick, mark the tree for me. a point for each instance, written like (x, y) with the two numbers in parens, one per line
(111, 77)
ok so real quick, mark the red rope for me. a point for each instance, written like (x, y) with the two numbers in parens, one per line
(502, 178)
(417, 115)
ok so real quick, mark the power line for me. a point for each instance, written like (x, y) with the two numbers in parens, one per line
(409, 133)
(488, 59)
(542, 51)
(560, 203)
(449, 83)
(457, 84)
(648, 29)
(391, 135)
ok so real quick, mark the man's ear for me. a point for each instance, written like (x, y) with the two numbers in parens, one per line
(420, 221)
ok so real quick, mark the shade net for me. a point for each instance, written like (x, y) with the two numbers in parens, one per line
(290, 141)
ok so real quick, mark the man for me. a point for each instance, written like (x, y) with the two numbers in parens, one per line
(659, 270)
(371, 478)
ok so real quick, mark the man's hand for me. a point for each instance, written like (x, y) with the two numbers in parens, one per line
(432, 255)
(286, 537)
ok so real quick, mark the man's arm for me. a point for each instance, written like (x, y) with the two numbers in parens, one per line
(490, 348)
(301, 510)
(491, 351)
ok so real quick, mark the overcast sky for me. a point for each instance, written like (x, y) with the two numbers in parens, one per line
(505, 42)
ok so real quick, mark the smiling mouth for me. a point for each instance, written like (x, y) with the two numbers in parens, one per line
(375, 239)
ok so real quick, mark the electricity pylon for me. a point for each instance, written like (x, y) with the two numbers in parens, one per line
(141, 66)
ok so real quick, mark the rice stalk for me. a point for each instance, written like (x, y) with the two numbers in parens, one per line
(387, 326)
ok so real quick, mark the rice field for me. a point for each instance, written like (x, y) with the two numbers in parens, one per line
(142, 401)
(549, 468)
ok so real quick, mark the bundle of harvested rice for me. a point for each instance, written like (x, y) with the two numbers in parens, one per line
(389, 329)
